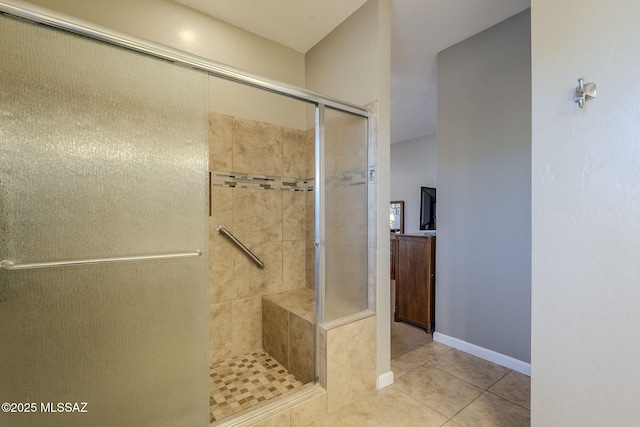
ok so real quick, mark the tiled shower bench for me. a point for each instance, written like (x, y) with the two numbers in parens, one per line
(288, 331)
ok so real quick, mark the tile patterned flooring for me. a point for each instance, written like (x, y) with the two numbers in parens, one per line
(436, 385)
(242, 383)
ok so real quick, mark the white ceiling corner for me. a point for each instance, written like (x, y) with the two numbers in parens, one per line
(298, 24)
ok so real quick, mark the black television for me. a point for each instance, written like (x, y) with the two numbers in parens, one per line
(427, 208)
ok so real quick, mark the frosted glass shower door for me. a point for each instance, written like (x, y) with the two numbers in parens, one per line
(345, 214)
(103, 154)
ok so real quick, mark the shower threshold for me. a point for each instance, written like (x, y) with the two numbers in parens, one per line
(244, 383)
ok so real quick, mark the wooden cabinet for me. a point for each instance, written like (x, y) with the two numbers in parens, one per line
(415, 280)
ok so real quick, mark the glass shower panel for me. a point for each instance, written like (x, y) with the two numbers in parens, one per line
(345, 208)
(103, 153)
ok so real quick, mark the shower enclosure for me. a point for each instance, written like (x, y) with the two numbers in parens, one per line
(119, 160)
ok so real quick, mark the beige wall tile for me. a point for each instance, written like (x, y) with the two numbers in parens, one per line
(352, 391)
(275, 332)
(249, 280)
(322, 350)
(309, 411)
(301, 348)
(262, 219)
(257, 215)
(293, 299)
(220, 272)
(221, 209)
(310, 215)
(310, 238)
(220, 142)
(307, 311)
(310, 265)
(351, 351)
(220, 260)
(293, 265)
(294, 153)
(257, 147)
(247, 325)
(310, 154)
(294, 221)
(220, 332)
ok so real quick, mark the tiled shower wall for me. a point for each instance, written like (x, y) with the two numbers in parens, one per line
(256, 168)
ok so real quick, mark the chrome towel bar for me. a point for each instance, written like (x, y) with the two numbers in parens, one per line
(10, 265)
(239, 244)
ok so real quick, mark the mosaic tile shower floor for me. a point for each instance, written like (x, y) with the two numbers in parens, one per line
(244, 382)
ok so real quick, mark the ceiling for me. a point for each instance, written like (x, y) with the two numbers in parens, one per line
(420, 29)
(298, 24)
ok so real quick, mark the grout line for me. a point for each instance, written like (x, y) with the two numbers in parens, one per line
(422, 403)
(509, 400)
(500, 379)
(467, 381)
(455, 376)
(467, 405)
(355, 421)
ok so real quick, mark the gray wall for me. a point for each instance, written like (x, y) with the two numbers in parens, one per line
(413, 165)
(483, 270)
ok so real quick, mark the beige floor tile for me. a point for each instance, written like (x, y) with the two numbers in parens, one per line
(309, 411)
(391, 407)
(492, 411)
(420, 356)
(405, 338)
(451, 424)
(437, 389)
(279, 420)
(340, 418)
(515, 387)
(397, 371)
(478, 372)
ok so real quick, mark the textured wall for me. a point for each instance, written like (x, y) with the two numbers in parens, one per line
(483, 265)
(586, 204)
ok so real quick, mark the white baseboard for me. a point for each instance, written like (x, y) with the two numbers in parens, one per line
(483, 353)
(385, 380)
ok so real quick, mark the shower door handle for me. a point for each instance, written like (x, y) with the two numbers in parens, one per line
(10, 265)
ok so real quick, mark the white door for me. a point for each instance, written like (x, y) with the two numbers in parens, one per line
(586, 214)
